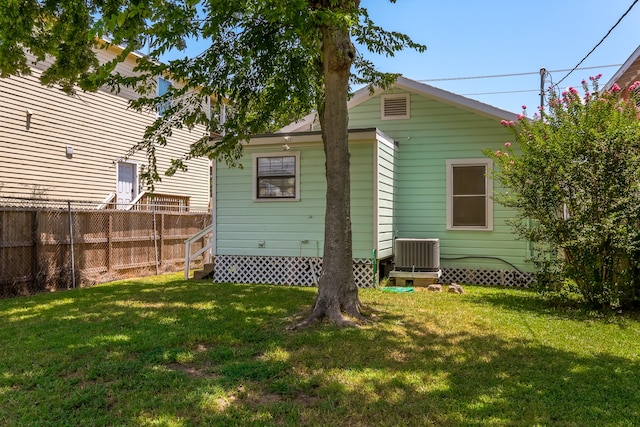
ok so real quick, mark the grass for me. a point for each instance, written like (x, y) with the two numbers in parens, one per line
(166, 352)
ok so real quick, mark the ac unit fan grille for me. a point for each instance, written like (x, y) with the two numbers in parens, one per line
(417, 255)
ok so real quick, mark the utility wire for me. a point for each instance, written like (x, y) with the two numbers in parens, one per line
(516, 74)
(599, 43)
(499, 93)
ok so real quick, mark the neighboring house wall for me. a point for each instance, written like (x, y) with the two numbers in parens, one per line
(99, 128)
(434, 133)
(628, 74)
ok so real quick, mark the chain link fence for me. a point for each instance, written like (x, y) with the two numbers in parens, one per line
(48, 245)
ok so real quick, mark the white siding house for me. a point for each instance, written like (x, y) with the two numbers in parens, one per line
(74, 147)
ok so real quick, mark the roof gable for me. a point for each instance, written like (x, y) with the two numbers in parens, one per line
(413, 86)
(628, 73)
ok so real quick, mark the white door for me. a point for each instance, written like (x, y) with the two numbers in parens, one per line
(127, 186)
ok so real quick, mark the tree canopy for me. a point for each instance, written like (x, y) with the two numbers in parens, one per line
(261, 57)
(270, 62)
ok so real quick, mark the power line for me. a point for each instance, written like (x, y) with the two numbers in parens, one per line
(516, 74)
(498, 93)
(599, 43)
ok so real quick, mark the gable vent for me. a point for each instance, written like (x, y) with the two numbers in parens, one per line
(395, 107)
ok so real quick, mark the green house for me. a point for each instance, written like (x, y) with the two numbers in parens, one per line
(418, 174)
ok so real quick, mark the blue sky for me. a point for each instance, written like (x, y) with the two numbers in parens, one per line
(467, 38)
(473, 38)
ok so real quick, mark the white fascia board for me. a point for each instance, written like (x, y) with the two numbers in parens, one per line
(419, 88)
(623, 69)
(302, 125)
(438, 94)
(306, 138)
(455, 99)
(386, 139)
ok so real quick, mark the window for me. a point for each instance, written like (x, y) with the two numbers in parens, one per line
(163, 88)
(276, 176)
(469, 204)
(394, 107)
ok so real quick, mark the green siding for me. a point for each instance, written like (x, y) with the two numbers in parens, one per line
(386, 194)
(434, 133)
(283, 225)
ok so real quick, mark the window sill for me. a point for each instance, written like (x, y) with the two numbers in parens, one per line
(469, 228)
(279, 200)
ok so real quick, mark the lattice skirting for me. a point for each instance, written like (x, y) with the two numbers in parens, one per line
(486, 277)
(301, 271)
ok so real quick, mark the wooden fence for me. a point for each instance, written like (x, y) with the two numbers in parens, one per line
(44, 249)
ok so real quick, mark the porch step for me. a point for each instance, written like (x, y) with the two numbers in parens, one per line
(205, 273)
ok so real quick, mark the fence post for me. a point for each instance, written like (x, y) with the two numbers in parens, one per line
(155, 238)
(162, 251)
(73, 264)
(35, 262)
(110, 242)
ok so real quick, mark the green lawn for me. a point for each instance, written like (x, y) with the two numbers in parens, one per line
(166, 352)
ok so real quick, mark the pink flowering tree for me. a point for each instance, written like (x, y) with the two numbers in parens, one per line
(572, 174)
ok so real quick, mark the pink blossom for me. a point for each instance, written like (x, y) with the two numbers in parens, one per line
(573, 90)
(634, 86)
(504, 123)
(615, 88)
(505, 154)
(521, 116)
(511, 162)
(498, 153)
(584, 82)
(507, 144)
(524, 107)
(599, 76)
(511, 123)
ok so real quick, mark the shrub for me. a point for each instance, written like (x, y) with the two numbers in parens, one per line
(573, 176)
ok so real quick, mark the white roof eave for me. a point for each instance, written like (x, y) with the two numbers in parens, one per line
(419, 88)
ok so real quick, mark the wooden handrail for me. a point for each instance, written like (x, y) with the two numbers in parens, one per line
(161, 202)
(188, 257)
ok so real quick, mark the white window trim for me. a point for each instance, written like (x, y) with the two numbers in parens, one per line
(405, 96)
(488, 163)
(254, 180)
(171, 83)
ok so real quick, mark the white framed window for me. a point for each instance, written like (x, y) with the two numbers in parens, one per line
(395, 107)
(276, 176)
(163, 88)
(469, 189)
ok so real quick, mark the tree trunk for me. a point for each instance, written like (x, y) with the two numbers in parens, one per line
(337, 291)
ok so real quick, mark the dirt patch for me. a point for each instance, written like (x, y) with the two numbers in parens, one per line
(190, 370)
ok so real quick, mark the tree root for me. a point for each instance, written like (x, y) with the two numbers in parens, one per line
(349, 316)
